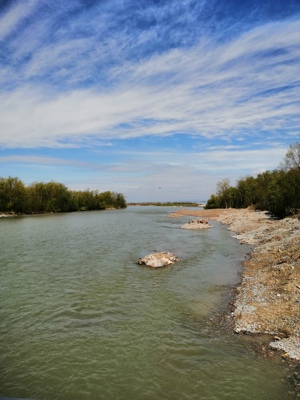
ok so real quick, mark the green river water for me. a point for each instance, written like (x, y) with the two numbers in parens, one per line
(79, 319)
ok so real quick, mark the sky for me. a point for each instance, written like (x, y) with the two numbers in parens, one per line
(155, 99)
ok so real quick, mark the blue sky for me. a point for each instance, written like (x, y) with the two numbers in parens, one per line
(156, 99)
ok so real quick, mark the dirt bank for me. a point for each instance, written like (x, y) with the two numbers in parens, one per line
(268, 298)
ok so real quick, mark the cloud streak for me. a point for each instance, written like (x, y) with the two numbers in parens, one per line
(205, 90)
(10, 20)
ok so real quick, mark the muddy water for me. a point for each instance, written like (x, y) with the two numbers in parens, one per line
(79, 319)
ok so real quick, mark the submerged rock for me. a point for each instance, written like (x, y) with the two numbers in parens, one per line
(158, 260)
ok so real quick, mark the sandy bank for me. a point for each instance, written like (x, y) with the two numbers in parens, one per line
(268, 298)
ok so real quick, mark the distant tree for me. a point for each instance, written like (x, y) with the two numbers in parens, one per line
(84, 200)
(223, 191)
(110, 199)
(263, 183)
(105, 200)
(246, 192)
(12, 195)
(120, 201)
(49, 197)
(289, 189)
(213, 202)
(37, 197)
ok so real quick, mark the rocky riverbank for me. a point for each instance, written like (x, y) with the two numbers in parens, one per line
(268, 298)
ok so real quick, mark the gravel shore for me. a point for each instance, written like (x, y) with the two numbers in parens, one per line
(268, 298)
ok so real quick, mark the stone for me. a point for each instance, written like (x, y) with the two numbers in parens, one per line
(158, 260)
(197, 224)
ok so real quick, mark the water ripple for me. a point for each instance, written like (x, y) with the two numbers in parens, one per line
(79, 319)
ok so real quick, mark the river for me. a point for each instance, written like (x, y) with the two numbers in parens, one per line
(79, 319)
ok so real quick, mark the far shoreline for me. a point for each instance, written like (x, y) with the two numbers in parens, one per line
(166, 204)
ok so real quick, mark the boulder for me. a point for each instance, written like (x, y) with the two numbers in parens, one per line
(158, 260)
(197, 224)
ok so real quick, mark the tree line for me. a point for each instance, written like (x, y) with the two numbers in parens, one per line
(52, 196)
(277, 191)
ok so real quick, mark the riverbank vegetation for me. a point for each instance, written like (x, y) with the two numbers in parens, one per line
(277, 191)
(41, 197)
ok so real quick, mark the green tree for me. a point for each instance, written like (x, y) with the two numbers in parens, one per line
(58, 197)
(289, 189)
(53, 197)
(222, 191)
(213, 202)
(12, 195)
(120, 201)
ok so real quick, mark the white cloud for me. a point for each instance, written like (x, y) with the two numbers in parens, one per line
(209, 90)
(39, 160)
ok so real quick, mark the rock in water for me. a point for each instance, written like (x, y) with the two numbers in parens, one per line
(158, 260)
(197, 224)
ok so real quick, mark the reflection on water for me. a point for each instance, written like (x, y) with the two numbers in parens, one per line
(79, 319)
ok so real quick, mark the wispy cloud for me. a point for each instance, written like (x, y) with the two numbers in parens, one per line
(245, 86)
(10, 20)
(39, 160)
